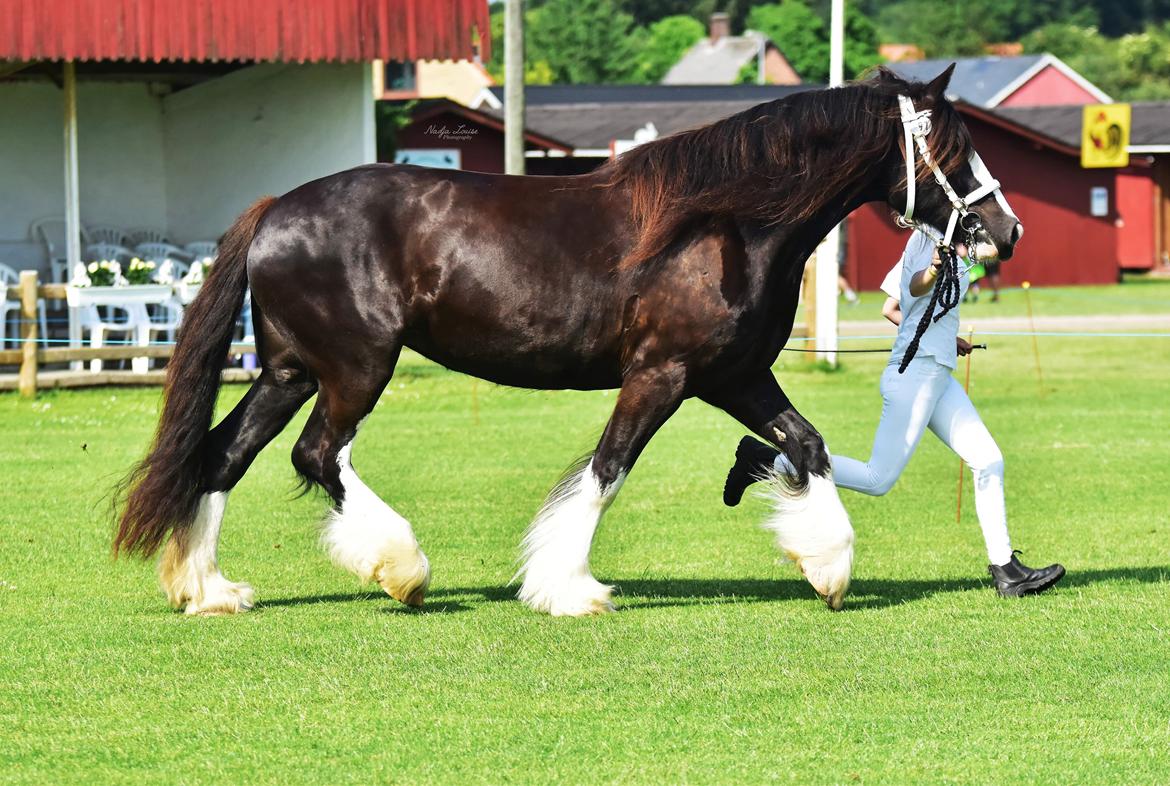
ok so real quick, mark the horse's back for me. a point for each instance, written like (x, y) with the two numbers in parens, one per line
(509, 278)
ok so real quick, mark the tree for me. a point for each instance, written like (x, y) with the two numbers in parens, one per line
(803, 36)
(1134, 67)
(861, 42)
(584, 41)
(1145, 64)
(664, 43)
(799, 33)
(536, 71)
(940, 29)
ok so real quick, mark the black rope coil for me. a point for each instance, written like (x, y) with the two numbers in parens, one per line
(946, 295)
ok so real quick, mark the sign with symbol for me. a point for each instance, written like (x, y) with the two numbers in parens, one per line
(1105, 136)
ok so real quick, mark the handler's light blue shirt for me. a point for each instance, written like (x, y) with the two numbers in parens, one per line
(939, 339)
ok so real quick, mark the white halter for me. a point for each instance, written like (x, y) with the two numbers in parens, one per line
(916, 126)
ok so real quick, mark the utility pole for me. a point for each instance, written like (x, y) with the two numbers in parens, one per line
(828, 252)
(514, 87)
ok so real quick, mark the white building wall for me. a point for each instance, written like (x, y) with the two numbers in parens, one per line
(120, 160)
(188, 163)
(262, 130)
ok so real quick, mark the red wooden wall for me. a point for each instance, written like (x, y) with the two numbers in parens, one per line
(1049, 87)
(1048, 190)
(1136, 232)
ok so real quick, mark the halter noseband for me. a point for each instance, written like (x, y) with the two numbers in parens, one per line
(915, 127)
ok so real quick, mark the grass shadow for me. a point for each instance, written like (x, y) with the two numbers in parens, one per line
(392, 606)
(865, 593)
(642, 593)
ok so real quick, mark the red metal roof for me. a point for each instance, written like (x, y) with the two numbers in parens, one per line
(247, 30)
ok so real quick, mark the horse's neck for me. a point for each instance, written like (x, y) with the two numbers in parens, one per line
(785, 248)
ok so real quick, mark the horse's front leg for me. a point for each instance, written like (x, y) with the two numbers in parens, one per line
(811, 525)
(555, 557)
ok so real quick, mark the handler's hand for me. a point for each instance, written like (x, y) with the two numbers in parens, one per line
(962, 346)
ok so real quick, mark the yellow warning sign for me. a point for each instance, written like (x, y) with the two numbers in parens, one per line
(1105, 135)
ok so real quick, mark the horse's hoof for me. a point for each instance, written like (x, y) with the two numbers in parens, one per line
(406, 584)
(221, 597)
(835, 602)
(579, 597)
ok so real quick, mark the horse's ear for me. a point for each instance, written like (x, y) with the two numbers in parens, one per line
(938, 86)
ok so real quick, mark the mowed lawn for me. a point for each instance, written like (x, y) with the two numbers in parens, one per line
(720, 665)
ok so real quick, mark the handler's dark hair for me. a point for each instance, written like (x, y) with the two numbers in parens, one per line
(161, 494)
(777, 162)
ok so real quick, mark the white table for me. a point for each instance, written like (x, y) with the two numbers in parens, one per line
(133, 298)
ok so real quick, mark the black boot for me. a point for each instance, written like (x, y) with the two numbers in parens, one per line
(753, 461)
(1015, 578)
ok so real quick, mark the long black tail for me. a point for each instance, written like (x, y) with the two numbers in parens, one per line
(161, 494)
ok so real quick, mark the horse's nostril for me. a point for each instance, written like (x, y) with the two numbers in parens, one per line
(1017, 232)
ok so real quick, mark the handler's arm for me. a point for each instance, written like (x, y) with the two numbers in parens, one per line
(892, 311)
(923, 280)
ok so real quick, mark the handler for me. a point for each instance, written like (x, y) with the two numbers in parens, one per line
(926, 395)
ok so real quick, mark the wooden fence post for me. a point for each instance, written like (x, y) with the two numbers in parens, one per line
(28, 333)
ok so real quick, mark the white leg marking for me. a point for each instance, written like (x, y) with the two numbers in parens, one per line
(190, 573)
(812, 529)
(367, 537)
(555, 551)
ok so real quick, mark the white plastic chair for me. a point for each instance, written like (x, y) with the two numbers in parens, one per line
(127, 321)
(114, 236)
(51, 233)
(139, 235)
(164, 321)
(161, 252)
(202, 249)
(96, 252)
(8, 278)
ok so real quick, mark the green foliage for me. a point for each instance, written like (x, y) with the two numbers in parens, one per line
(390, 117)
(1134, 67)
(800, 34)
(861, 42)
(803, 36)
(1120, 45)
(584, 41)
(940, 29)
(664, 43)
(536, 71)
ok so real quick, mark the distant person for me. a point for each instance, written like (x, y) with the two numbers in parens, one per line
(926, 396)
(842, 263)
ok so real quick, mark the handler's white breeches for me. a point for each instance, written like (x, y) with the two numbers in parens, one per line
(927, 396)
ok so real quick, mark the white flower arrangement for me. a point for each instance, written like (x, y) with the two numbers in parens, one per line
(104, 273)
(198, 271)
(166, 272)
(139, 271)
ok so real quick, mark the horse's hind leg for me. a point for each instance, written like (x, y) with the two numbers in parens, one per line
(189, 569)
(362, 534)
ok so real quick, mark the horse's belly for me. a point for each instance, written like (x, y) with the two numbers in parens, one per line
(491, 357)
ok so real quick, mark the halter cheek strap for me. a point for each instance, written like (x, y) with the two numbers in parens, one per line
(915, 128)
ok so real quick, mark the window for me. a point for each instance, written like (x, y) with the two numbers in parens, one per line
(400, 75)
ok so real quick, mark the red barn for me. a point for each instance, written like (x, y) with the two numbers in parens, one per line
(1143, 188)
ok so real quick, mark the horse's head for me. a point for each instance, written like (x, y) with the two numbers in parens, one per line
(952, 192)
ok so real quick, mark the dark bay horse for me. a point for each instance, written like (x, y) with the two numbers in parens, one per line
(670, 273)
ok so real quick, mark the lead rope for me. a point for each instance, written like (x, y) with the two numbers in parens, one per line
(946, 295)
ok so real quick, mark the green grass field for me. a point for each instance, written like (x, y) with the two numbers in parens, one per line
(720, 665)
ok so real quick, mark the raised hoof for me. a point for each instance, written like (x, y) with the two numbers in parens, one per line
(222, 598)
(406, 585)
(577, 598)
